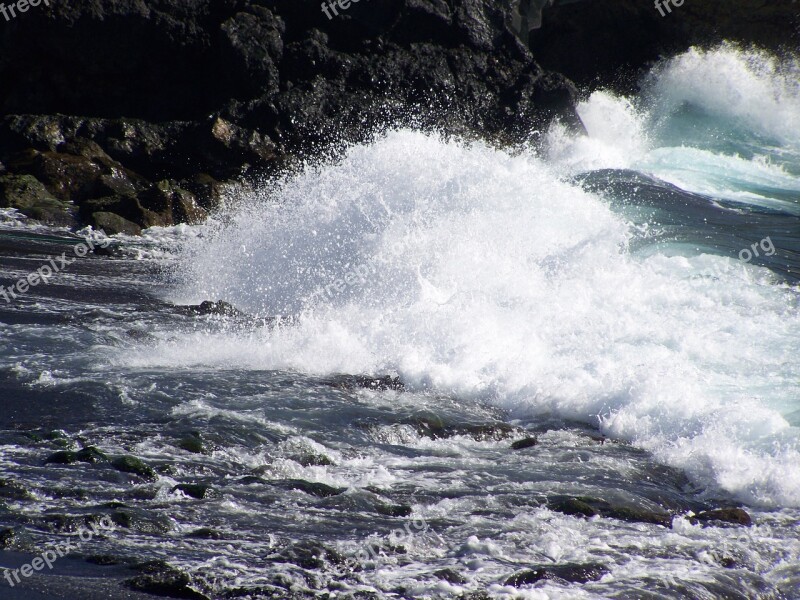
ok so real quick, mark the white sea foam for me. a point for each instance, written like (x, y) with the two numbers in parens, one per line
(490, 277)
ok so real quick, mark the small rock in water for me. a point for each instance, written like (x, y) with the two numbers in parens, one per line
(11, 490)
(736, 516)
(528, 442)
(450, 576)
(379, 383)
(208, 307)
(131, 464)
(586, 506)
(394, 510)
(194, 490)
(90, 454)
(206, 533)
(194, 443)
(320, 490)
(313, 460)
(572, 573)
(160, 579)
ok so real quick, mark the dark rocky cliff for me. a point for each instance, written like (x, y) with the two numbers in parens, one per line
(125, 113)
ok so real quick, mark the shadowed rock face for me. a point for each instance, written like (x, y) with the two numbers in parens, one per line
(598, 41)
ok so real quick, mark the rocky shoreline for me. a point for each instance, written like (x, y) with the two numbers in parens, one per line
(125, 115)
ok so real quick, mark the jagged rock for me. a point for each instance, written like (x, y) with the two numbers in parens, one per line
(30, 197)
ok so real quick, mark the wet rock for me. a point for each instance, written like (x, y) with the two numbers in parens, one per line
(735, 516)
(320, 490)
(194, 490)
(208, 191)
(206, 533)
(27, 194)
(74, 178)
(585, 506)
(89, 454)
(8, 538)
(131, 464)
(193, 443)
(172, 203)
(11, 490)
(105, 560)
(379, 383)
(141, 520)
(208, 307)
(570, 573)
(435, 429)
(160, 579)
(528, 442)
(394, 510)
(310, 555)
(129, 208)
(112, 224)
(313, 460)
(601, 41)
(450, 576)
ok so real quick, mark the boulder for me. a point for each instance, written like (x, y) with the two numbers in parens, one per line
(30, 197)
(113, 224)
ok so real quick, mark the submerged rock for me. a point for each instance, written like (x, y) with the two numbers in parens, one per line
(436, 429)
(528, 442)
(207, 307)
(194, 490)
(90, 454)
(735, 516)
(161, 579)
(571, 573)
(194, 443)
(320, 490)
(131, 464)
(450, 576)
(585, 506)
(11, 490)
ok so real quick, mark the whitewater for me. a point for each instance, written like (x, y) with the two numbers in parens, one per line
(565, 355)
(492, 275)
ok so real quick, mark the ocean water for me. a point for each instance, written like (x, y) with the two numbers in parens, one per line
(629, 298)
